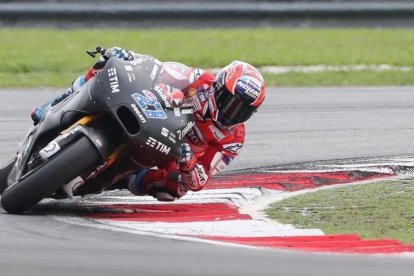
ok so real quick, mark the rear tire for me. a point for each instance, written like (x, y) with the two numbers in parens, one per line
(62, 168)
(4, 174)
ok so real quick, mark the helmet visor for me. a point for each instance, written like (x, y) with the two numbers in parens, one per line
(232, 109)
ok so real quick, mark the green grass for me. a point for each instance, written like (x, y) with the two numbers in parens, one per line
(344, 78)
(50, 57)
(378, 210)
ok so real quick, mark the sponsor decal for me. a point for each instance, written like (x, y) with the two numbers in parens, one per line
(182, 132)
(170, 135)
(112, 72)
(154, 143)
(140, 116)
(131, 77)
(165, 132)
(113, 80)
(193, 137)
(138, 60)
(192, 92)
(185, 111)
(161, 91)
(201, 96)
(194, 102)
(68, 132)
(196, 179)
(177, 112)
(53, 147)
(233, 147)
(221, 165)
(48, 151)
(154, 72)
(248, 87)
(149, 105)
(217, 132)
(201, 174)
(73, 185)
(129, 68)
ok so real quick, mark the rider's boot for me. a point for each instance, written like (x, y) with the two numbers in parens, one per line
(38, 112)
(157, 183)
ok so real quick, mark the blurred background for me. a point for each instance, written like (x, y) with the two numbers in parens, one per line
(209, 13)
(294, 43)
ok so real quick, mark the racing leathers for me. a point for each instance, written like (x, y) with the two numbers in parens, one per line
(207, 148)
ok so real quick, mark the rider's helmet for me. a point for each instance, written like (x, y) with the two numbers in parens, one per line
(239, 89)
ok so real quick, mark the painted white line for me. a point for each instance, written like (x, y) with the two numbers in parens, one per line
(97, 224)
(231, 228)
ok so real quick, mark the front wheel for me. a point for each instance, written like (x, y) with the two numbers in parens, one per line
(65, 166)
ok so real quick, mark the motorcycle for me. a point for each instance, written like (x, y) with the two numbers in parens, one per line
(119, 122)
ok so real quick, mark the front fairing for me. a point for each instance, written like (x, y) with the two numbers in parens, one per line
(131, 87)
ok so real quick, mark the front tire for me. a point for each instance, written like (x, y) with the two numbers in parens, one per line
(65, 166)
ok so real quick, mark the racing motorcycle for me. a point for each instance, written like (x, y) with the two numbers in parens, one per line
(119, 122)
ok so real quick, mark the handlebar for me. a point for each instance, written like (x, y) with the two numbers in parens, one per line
(98, 50)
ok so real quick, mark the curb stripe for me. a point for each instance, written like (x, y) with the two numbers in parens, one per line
(164, 212)
(213, 214)
(293, 181)
(330, 243)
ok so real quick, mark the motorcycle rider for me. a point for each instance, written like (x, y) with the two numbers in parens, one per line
(221, 105)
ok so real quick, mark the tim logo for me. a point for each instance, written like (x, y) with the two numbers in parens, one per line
(153, 143)
(113, 80)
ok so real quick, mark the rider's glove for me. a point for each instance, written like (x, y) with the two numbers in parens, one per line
(193, 176)
(187, 160)
(119, 53)
(113, 52)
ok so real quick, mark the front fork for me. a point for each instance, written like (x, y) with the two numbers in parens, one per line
(103, 145)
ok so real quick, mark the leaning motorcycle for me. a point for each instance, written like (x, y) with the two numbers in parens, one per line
(119, 122)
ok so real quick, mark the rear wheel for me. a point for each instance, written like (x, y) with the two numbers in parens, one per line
(65, 166)
(4, 173)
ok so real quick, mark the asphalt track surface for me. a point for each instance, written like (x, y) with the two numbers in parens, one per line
(294, 125)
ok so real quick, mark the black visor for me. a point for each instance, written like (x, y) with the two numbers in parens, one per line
(232, 109)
